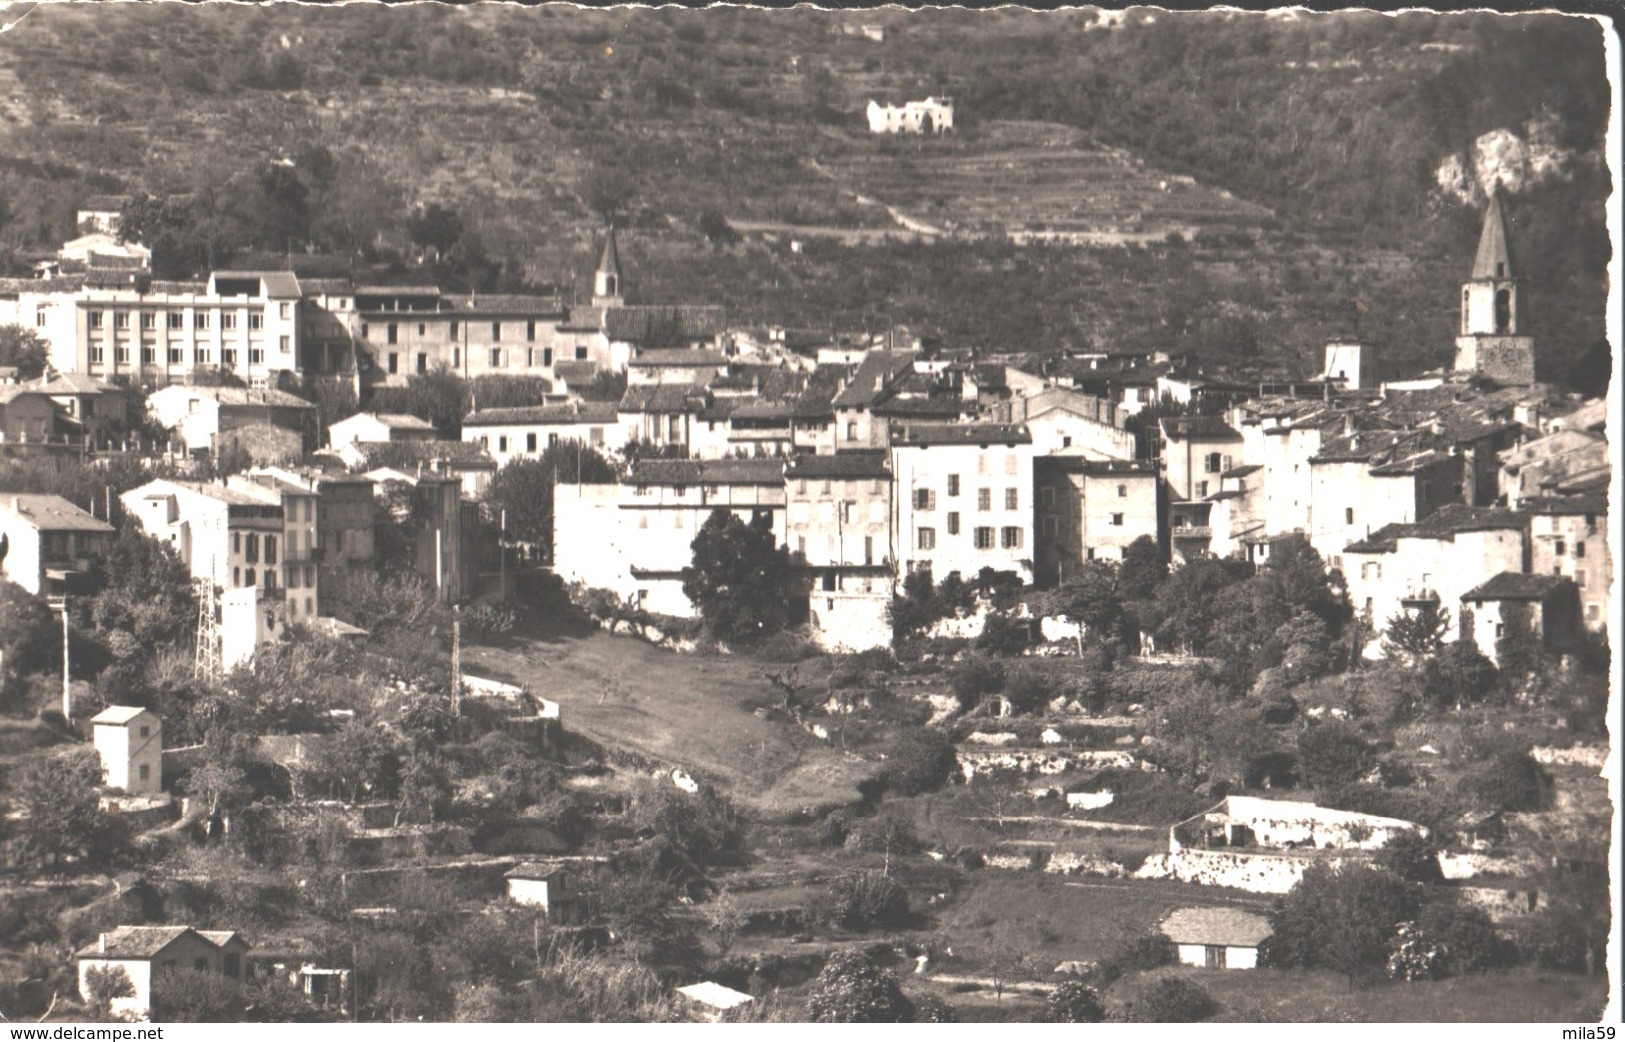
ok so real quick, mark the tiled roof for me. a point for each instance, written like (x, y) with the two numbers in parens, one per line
(247, 396)
(960, 434)
(877, 370)
(664, 398)
(1516, 586)
(403, 421)
(1243, 471)
(707, 472)
(544, 415)
(279, 285)
(220, 493)
(1205, 427)
(134, 942)
(939, 408)
(576, 373)
(1444, 523)
(677, 357)
(1084, 465)
(76, 383)
(860, 463)
(762, 410)
(506, 304)
(1229, 927)
(51, 514)
(118, 715)
(535, 870)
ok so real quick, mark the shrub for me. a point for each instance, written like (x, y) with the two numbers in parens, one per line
(1506, 781)
(974, 677)
(1028, 688)
(928, 1009)
(489, 619)
(1333, 754)
(786, 646)
(919, 761)
(1411, 857)
(853, 989)
(1145, 951)
(1074, 1003)
(868, 899)
(1174, 1000)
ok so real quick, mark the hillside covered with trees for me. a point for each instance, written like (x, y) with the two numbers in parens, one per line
(291, 128)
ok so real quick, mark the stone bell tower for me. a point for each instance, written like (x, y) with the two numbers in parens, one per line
(1491, 341)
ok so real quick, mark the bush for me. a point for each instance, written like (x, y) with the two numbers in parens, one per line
(1145, 951)
(1028, 688)
(854, 989)
(1411, 857)
(786, 646)
(1506, 781)
(919, 761)
(974, 677)
(1174, 1000)
(1333, 754)
(928, 1009)
(489, 619)
(1074, 1003)
(866, 900)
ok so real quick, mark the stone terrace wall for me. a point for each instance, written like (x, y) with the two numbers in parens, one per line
(1255, 873)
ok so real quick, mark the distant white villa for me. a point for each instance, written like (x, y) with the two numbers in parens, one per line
(914, 117)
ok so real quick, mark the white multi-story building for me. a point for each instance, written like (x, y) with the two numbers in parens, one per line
(963, 498)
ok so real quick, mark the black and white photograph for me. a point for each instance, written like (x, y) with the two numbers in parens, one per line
(779, 515)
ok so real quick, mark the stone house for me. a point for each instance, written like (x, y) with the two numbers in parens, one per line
(1195, 451)
(1553, 464)
(1236, 515)
(51, 545)
(838, 518)
(666, 417)
(130, 742)
(635, 537)
(1430, 564)
(296, 554)
(379, 427)
(963, 498)
(525, 432)
(675, 366)
(1248, 823)
(224, 535)
(1062, 421)
(196, 416)
(876, 378)
(28, 416)
(1548, 606)
(1216, 938)
(933, 115)
(1088, 509)
(146, 953)
(548, 885)
(1568, 536)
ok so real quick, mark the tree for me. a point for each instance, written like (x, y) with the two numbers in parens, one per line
(524, 489)
(714, 226)
(1174, 1000)
(1340, 918)
(919, 761)
(608, 190)
(1074, 1003)
(1505, 780)
(58, 801)
(740, 579)
(1458, 675)
(20, 347)
(437, 396)
(435, 227)
(1141, 570)
(1091, 597)
(1417, 636)
(1412, 857)
(853, 989)
(103, 984)
(1333, 754)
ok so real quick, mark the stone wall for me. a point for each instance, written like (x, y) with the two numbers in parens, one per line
(1255, 873)
(973, 762)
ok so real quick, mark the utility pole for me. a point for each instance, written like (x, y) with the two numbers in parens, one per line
(67, 689)
(502, 553)
(456, 662)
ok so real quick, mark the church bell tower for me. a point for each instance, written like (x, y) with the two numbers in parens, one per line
(1491, 341)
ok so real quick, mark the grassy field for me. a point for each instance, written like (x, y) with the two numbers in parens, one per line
(688, 711)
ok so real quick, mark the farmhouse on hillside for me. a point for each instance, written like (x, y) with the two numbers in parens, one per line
(146, 952)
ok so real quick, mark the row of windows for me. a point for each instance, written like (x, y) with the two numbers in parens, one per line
(392, 331)
(496, 358)
(1009, 536)
(250, 547)
(176, 355)
(595, 436)
(926, 499)
(876, 487)
(1051, 525)
(95, 318)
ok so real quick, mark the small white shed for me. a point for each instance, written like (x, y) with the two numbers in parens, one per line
(130, 742)
(1216, 938)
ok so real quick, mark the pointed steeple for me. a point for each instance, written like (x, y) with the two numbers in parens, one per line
(1494, 259)
(606, 281)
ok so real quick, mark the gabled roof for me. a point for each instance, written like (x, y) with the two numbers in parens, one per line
(1566, 506)
(134, 942)
(928, 408)
(118, 715)
(76, 384)
(279, 285)
(714, 995)
(396, 453)
(1494, 258)
(1228, 927)
(47, 513)
(641, 322)
(664, 398)
(544, 415)
(535, 870)
(1516, 586)
(238, 396)
(874, 374)
(1445, 523)
(499, 304)
(395, 421)
(673, 358)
